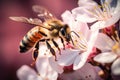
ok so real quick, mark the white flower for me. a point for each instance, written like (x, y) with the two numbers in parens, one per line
(110, 52)
(105, 15)
(83, 44)
(44, 51)
(46, 66)
(27, 73)
(45, 72)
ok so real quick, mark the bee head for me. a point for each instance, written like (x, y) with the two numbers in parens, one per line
(65, 32)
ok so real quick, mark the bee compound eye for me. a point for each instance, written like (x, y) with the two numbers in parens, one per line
(63, 31)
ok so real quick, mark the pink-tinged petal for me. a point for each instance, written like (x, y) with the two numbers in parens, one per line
(83, 14)
(116, 67)
(67, 57)
(79, 26)
(70, 20)
(114, 19)
(55, 66)
(106, 57)
(79, 41)
(52, 74)
(26, 73)
(91, 42)
(117, 8)
(42, 49)
(67, 17)
(87, 3)
(106, 23)
(103, 42)
(42, 65)
(85, 18)
(80, 60)
(87, 72)
(83, 30)
(98, 25)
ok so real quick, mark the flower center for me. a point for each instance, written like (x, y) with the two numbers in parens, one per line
(80, 42)
(102, 12)
(116, 47)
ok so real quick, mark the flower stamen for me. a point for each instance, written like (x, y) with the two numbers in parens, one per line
(80, 42)
(102, 12)
(116, 47)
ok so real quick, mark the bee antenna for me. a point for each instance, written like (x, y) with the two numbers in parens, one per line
(74, 33)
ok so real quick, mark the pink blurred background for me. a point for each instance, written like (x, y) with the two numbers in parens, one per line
(12, 32)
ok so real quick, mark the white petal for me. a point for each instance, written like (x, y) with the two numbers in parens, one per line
(42, 65)
(103, 42)
(106, 23)
(112, 20)
(53, 75)
(70, 20)
(116, 67)
(85, 18)
(117, 6)
(83, 29)
(67, 57)
(91, 42)
(55, 66)
(84, 36)
(26, 73)
(83, 14)
(42, 49)
(80, 61)
(67, 16)
(79, 26)
(44, 68)
(98, 25)
(106, 57)
(86, 3)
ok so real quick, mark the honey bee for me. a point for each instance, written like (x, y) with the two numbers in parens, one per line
(44, 31)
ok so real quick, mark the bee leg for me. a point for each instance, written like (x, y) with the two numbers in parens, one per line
(35, 52)
(56, 45)
(62, 42)
(51, 49)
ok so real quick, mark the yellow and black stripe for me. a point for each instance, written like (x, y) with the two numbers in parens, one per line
(29, 40)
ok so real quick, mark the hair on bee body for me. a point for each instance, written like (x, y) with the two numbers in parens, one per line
(45, 31)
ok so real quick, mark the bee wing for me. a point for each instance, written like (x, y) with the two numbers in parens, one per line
(34, 21)
(42, 12)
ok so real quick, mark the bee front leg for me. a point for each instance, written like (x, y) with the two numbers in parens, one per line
(56, 45)
(62, 42)
(51, 49)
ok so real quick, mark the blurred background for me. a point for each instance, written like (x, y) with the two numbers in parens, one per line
(12, 32)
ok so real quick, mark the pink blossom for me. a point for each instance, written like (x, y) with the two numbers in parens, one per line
(105, 14)
(82, 45)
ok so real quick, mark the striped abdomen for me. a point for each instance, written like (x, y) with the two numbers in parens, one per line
(30, 39)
